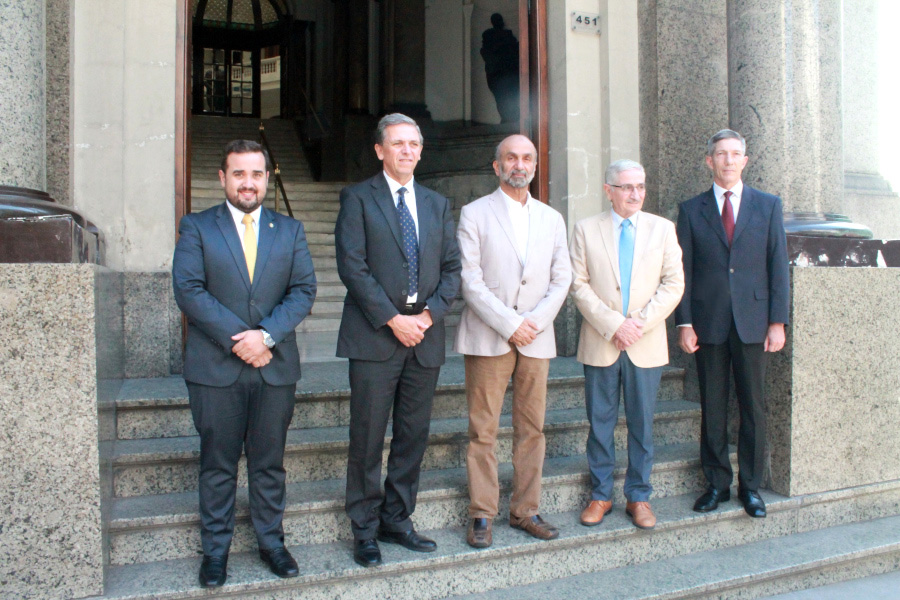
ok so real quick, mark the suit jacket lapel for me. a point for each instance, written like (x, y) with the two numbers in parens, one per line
(229, 232)
(710, 211)
(267, 233)
(498, 205)
(607, 233)
(381, 193)
(745, 214)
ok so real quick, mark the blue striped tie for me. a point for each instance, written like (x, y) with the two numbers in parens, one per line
(410, 241)
(626, 258)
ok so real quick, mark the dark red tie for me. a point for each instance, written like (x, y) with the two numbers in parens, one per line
(728, 218)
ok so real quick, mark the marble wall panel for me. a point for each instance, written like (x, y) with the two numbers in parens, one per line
(50, 529)
(834, 404)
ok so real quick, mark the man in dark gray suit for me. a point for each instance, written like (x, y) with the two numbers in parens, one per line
(244, 278)
(397, 255)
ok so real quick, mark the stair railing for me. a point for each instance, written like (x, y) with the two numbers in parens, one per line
(279, 184)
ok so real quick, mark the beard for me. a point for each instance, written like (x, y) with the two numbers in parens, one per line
(242, 204)
(516, 178)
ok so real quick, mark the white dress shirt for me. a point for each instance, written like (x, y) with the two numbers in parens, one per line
(409, 198)
(238, 216)
(520, 215)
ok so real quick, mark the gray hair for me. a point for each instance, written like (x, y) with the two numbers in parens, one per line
(613, 170)
(725, 134)
(394, 119)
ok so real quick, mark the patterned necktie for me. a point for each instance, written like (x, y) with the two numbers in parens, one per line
(626, 258)
(728, 218)
(249, 244)
(410, 241)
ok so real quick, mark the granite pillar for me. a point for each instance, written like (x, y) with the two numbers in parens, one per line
(832, 400)
(59, 105)
(23, 158)
(684, 96)
(784, 91)
(60, 371)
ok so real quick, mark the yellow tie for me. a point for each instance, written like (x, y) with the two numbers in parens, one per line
(249, 244)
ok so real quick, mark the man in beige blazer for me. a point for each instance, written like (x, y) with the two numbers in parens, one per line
(628, 279)
(515, 277)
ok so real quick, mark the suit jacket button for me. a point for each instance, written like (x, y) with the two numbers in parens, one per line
(404, 292)
(617, 289)
(523, 282)
(515, 308)
(405, 265)
(253, 303)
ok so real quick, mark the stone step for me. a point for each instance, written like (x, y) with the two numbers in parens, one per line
(773, 566)
(158, 408)
(152, 528)
(327, 570)
(170, 465)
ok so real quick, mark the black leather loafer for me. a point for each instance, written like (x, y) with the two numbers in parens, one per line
(213, 571)
(753, 503)
(408, 539)
(710, 500)
(280, 562)
(366, 553)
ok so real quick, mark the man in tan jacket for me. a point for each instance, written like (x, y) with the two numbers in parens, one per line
(628, 279)
(515, 277)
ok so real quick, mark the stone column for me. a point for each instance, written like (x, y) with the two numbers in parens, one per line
(23, 155)
(860, 72)
(784, 69)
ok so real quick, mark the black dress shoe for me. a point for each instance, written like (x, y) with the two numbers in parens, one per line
(366, 553)
(408, 539)
(213, 571)
(710, 500)
(753, 503)
(280, 562)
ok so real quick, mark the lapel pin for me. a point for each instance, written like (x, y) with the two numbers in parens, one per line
(271, 225)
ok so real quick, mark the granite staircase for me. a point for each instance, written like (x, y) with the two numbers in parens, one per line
(314, 203)
(153, 529)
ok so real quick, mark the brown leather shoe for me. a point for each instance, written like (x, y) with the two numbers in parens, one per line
(595, 511)
(641, 514)
(535, 526)
(479, 534)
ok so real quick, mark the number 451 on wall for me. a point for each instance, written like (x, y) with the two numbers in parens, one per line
(586, 22)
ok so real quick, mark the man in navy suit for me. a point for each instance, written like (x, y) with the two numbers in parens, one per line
(734, 310)
(244, 278)
(397, 255)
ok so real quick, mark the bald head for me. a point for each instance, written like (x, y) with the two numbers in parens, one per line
(514, 163)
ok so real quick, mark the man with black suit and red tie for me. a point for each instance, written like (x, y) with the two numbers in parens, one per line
(735, 306)
(397, 255)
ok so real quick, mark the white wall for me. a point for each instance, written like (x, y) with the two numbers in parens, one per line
(123, 127)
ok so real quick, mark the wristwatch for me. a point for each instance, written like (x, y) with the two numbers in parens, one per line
(267, 339)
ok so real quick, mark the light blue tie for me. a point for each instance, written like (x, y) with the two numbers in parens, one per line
(626, 258)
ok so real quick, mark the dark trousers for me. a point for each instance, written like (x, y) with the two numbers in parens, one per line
(748, 363)
(402, 384)
(252, 416)
(601, 392)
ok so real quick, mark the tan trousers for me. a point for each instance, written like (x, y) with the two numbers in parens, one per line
(486, 381)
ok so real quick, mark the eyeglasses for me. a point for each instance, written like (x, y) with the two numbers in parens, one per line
(628, 188)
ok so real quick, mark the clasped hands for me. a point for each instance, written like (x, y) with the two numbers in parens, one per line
(410, 329)
(628, 333)
(251, 348)
(525, 334)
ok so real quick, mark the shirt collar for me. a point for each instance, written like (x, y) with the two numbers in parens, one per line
(394, 185)
(238, 215)
(736, 191)
(510, 201)
(617, 218)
